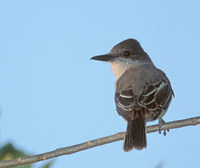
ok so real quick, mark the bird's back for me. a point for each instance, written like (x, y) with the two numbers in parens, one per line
(143, 87)
(139, 76)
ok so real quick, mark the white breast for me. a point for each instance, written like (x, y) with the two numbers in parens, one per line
(118, 68)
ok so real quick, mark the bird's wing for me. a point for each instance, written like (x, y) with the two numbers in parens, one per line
(155, 97)
(125, 103)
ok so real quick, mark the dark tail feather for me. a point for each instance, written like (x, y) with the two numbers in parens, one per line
(135, 135)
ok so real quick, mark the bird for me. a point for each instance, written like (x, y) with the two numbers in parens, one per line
(142, 91)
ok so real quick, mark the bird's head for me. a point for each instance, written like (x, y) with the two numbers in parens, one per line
(125, 55)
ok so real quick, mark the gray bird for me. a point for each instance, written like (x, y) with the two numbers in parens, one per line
(143, 92)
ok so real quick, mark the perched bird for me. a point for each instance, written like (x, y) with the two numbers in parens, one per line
(143, 92)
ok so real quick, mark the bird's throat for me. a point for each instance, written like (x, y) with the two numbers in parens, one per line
(118, 69)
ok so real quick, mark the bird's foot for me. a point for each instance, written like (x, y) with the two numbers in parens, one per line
(160, 123)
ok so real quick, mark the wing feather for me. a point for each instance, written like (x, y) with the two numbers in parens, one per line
(154, 97)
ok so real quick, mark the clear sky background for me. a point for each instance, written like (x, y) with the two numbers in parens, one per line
(52, 95)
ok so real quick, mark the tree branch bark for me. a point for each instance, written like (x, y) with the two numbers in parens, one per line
(93, 143)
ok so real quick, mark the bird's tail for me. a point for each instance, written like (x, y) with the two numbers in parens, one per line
(135, 134)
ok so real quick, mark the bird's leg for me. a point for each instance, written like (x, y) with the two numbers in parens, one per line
(161, 122)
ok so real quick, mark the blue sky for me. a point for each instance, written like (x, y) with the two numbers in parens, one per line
(52, 95)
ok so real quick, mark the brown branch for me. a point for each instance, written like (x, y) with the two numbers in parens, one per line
(93, 143)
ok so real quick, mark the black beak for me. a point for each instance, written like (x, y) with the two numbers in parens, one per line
(106, 57)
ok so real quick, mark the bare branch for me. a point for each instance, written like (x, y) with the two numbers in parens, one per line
(93, 143)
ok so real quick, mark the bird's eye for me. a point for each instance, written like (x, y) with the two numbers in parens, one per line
(127, 53)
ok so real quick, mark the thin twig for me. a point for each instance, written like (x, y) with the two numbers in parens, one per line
(93, 143)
